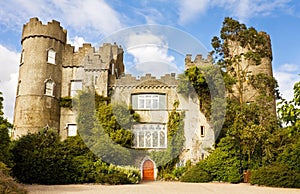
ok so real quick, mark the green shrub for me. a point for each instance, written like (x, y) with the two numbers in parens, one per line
(66, 102)
(197, 175)
(7, 184)
(222, 166)
(179, 171)
(41, 158)
(276, 174)
(132, 173)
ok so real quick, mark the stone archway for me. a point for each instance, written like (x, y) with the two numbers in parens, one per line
(148, 170)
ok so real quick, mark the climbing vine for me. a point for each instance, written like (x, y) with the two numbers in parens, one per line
(167, 159)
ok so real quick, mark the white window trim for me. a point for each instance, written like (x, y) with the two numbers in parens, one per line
(51, 56)
(73, 133)
(74, 91)
(147, 101)
(202, 131)
(49, 89)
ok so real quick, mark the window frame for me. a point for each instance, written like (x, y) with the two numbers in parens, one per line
(147, 101)
(51, 56)
(49, 87)
(74, 91)
(202, 131)
(73, 134)
(150, 135)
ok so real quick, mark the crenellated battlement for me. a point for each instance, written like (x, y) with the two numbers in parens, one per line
(35, 28)
(168, 80)
(198, 61)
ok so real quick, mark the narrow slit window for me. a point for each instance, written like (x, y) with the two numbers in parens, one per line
(202, 131)
(22, 57)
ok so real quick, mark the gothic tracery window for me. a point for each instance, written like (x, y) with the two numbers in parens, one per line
(150, 135)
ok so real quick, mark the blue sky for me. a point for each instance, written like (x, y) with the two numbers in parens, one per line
(92, 20)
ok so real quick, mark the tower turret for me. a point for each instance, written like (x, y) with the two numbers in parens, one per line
(40, 74)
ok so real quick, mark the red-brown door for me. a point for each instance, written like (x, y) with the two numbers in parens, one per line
(148, 171)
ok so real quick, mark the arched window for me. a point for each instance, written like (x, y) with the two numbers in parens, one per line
(51, 56)
(49, 87)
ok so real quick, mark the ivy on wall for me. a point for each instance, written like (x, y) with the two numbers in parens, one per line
(167, 159)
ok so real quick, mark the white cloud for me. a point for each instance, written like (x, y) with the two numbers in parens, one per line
(89, 16)
(76, 42)
(9, 61)
(151, 15)
(242, 9)
(150, 55)
(189, 9)
(287, 76)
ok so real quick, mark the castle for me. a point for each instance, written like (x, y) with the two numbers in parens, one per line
(50, 69)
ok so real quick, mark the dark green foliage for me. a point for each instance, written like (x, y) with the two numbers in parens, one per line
(113, 179)
(38, 160)
(103, 128)
(4, 136)
(197, 175)
(291, 155)
(223, 164)
(66, 102)
(285, 172)
(41, 158)
(278, 175)
(116, 121)
(232, 30)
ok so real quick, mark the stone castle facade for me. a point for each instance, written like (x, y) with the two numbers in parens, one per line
(51, 69)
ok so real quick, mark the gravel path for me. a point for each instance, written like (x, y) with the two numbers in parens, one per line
(159, 188)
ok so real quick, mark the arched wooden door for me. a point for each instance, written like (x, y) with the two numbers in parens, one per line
(148, 171)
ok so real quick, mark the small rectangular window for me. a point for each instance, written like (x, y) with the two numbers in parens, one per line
(51, 56)
(72, 130)
(49, 88)
(76, 85)
(202, 131)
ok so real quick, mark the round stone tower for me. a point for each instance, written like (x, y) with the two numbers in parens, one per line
(246, 68)
(40, 75)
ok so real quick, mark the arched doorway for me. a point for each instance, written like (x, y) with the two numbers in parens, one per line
(148, 170)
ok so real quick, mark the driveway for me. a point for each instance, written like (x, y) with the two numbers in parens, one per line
(159, 188)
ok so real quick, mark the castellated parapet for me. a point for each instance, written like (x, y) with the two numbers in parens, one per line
(168, 80)
(35, 28)
(198, 61)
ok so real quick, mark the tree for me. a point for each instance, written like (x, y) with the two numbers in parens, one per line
(4, 135)
(289, 111)
(105, 128)
(249, 127)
